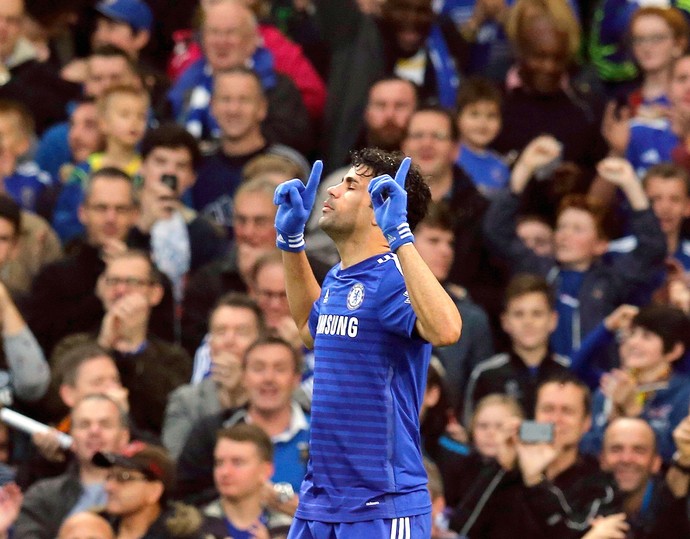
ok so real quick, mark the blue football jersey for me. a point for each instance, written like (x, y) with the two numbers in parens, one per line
(651, 143)
(370, 368)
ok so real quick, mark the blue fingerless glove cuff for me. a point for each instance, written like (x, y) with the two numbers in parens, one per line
(293, 243)
(399, 236)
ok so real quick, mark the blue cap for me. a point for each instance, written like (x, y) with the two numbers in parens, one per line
(133, 12)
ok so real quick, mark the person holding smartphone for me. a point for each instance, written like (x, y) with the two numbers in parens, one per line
(177, 238)
(543, 486)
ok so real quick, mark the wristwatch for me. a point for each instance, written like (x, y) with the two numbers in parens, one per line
(675, 463)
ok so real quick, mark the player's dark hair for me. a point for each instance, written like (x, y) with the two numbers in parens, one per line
(172, 137)
(382, 162)
(563, 378)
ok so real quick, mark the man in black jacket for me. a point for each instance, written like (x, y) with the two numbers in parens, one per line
(542, 489)
(98, 424)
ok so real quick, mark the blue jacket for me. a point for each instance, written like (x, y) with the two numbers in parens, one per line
(604, 286)
(666, 407)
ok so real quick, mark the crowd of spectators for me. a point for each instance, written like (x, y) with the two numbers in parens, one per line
(143, 308)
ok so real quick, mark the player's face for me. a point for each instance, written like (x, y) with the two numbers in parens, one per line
(653, 44)
(670, 202)
(577, 240)
(435, 246)
(537, 236)
(348, 206)
(270, 378)
(238, 470)
(479, 124)
(679, 88)
(486, 428)
(390, 105)
(96, 426)
(237, 105)
(430, 144)
(125, 119)
(629, 453)
(227, 35)
(84, 135)
(563, 405)
(529, 320)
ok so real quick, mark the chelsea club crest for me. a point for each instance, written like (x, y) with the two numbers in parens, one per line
(355, 296)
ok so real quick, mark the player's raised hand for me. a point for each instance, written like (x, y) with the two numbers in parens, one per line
(295, 201)
(389, 199)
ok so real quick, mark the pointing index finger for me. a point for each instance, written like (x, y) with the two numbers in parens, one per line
(402, 172)
(314, 177)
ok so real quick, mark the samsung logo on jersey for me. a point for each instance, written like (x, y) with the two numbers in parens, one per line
(337, 324)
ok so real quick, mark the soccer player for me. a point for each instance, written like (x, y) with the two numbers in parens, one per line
(371, 324)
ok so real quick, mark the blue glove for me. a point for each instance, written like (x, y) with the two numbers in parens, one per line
(294, 201)
(389, 198)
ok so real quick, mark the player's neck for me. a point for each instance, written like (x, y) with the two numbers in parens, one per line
(353, 252)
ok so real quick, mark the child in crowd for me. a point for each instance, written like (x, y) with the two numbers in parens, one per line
(479, 122)
(658, 35)
(467, 478)
(587, 288)
(122, 115)
(645, 385)
(536, 233)
(529, 319)
(23, 180)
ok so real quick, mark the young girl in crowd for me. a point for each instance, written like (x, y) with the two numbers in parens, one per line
(658, 36)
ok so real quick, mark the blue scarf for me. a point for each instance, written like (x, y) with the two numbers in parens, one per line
(197, 117)
(447, 77)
